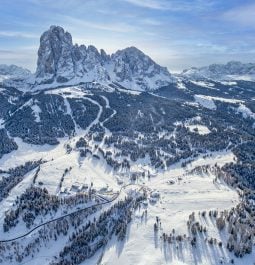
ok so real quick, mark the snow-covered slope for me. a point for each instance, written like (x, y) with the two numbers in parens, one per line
(95, 171)
(89, 144)
(60, 61)
(231, 71)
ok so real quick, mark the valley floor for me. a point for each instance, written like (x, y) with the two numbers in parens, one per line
(178, 194)
(173, 195)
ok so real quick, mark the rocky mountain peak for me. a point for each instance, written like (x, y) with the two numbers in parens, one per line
(60, 61)
(55, 56)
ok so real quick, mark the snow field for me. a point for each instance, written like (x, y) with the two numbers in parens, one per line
(180, 194)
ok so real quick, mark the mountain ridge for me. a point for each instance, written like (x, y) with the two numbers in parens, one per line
(12, 71)
(59, 60)
(229, 71)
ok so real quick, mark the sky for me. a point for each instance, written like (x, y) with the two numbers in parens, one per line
(175, 33)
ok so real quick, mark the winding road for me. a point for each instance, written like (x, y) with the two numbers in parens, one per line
(114, 198)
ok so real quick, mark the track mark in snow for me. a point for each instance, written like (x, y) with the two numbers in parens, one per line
(98, 115)
(106, 101)
(111, 116)
(69, 112)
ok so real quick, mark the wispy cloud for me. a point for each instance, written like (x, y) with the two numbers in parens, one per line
(120, 27)
(25, 57)
(173, 5)
(17, 34)
(176, 33)
(153, 4)
(243, 15)
(151, 22)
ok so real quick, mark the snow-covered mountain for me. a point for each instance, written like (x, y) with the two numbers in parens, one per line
(60, 61)
(12, 71)
(90, 172)
(231, 71)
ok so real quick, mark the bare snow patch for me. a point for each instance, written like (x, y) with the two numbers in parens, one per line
(181, 85)
(241, 77)
(193, 104)
(1, 123)
(106, 102)
(208, 101)
(128, 91)
(69, 92)
(246, 112)
(204, 84)
(36, 111)
(200, 129)
(3, 77)
(229, 83)
(205, 102)
(227, 100)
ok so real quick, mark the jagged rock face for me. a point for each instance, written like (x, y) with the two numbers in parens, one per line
(55, 56)
(231, 70)
(61, 61)
(132, 62)
(132, 65)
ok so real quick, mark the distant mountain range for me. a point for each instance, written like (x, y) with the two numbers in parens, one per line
(12, 71)
(231, 71)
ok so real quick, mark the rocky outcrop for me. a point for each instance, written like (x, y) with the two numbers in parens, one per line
(132, 68)
(55, 58)
(60, 61)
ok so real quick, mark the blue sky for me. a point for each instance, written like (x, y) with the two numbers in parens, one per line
(175, 33)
